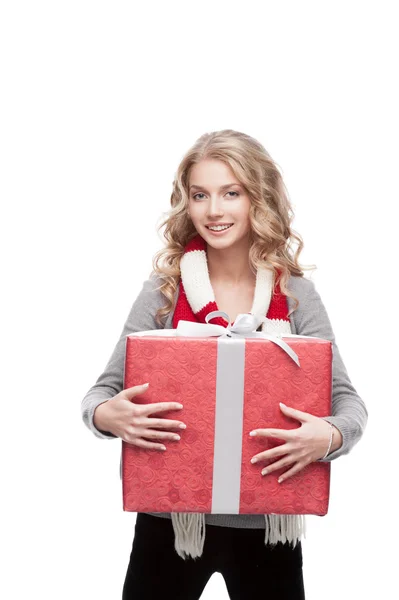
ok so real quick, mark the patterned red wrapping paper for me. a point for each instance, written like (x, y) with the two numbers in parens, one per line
(200, 473)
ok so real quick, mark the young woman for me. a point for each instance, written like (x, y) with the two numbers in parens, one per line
(228, 247)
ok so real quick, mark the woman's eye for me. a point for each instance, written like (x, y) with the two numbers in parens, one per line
(201, 194)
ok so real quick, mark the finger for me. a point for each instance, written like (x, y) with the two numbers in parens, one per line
(130, 392)
(295, 413)
(295, 469)
(164, 424)
(284, 434)
(159, 435)
(160, 407)
(272, 453)
(279, 464)
(148, 445)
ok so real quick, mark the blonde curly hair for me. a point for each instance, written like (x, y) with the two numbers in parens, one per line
(270, 213)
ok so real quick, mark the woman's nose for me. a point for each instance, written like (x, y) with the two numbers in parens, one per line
(214, 209)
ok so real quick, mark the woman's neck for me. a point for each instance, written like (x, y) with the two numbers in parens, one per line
(229, 266)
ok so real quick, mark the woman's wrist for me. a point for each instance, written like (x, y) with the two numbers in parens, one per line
(337, 439)
(99, 416)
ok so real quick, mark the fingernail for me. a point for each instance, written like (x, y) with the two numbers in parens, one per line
(146, 384)
(182, 426)
(163, 447)
(253, 433)
(281, 404)
(176, 437)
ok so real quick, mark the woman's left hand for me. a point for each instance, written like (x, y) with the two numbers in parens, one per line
(303, 445)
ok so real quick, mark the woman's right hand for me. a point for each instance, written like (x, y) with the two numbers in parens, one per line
(131, 422)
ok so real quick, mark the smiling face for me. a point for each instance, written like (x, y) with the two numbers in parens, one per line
(217, 197)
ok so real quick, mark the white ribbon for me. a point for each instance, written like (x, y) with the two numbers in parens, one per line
(245, 326)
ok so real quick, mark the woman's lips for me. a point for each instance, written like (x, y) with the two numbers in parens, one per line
(221, 232)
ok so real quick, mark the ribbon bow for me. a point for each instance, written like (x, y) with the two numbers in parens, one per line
(244, 326)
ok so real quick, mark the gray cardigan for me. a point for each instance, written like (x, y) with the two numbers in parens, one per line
(349, 413)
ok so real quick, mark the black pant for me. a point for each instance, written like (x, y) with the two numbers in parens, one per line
(251, 569)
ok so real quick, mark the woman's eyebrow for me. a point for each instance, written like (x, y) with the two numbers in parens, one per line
(223, 187)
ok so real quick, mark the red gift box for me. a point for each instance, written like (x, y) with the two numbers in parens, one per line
(228, 387)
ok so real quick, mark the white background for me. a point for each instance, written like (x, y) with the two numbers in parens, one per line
(99, 102)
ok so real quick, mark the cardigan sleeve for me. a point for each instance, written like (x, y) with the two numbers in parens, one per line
(349, 413)
(141, 317)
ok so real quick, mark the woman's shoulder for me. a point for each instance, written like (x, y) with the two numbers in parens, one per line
(151, 290)
(304, 291)
(300, 286)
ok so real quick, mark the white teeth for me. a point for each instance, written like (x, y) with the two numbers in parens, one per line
(220, 227)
